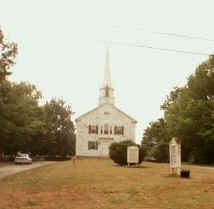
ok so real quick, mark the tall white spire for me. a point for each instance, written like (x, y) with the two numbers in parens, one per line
(107, 74)
(107, 92)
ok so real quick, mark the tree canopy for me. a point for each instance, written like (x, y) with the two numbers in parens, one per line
(25, 125)
(8, 52)
(60, 129)
(189, 115)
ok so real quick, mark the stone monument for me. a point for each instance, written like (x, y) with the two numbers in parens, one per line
(175, 156)
(132, 155)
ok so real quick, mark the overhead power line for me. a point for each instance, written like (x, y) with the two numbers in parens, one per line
(156, 48)
(173, 34)
(185, 36)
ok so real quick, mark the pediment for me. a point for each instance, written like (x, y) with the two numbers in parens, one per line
(106, 112)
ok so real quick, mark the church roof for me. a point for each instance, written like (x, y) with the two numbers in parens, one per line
(117, 109)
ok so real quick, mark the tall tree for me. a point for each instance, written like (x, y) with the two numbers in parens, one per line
(8, 52)
(21, 119)
(189, 114)
(155, 140)
(61, 136)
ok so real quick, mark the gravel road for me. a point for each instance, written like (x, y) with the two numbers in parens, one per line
(12, 169)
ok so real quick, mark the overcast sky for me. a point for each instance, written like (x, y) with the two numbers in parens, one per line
(62, 49)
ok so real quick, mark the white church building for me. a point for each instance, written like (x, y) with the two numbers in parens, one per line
(105, 124)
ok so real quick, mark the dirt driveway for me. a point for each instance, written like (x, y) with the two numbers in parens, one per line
(12, 168)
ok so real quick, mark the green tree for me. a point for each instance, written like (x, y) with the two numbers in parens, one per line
(189, 114)
(60, 128)
(155, 141)
(21, 119)
(24, 124)
(8, 52)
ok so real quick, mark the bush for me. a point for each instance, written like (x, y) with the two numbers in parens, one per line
(185, 173)
(160, 152)
(118, 152)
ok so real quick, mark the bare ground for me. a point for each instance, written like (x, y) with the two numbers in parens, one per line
(10, 168)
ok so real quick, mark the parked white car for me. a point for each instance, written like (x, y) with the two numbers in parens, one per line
(23, 159)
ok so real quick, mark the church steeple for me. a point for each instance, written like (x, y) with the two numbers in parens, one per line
(107, 92)
(107, 75)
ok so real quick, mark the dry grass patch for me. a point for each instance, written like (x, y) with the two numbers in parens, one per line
(97, 183)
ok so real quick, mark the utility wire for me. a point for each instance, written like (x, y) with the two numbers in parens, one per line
(155, 48)
(174, 34)
(185, 36)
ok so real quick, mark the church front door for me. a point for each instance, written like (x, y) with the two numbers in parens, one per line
(104, 148)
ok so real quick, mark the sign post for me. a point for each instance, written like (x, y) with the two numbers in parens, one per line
(175, 156)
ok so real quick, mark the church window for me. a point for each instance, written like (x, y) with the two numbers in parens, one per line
(92, 145)
(106, 129)
(92, 129)
(119, 130)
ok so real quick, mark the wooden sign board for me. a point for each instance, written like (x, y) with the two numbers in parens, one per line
(132, 154)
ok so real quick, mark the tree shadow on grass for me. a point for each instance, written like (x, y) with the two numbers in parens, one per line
(132, 166)
(139, 166)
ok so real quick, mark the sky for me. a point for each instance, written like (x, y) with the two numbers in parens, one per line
(62, 46)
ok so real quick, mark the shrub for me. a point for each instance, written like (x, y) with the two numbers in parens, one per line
(118, 152)
(185, 173)
(160, 152)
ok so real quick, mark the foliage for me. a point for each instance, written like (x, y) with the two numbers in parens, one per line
(60, 129)
(21, 118)
(28, 127)
(8, 52)
(185, 173)
(189, 115)
(155, 141)
(160, 152)
(24, 124)
(118, 152)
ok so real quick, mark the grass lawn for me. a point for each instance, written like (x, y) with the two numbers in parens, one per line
(98, 183)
